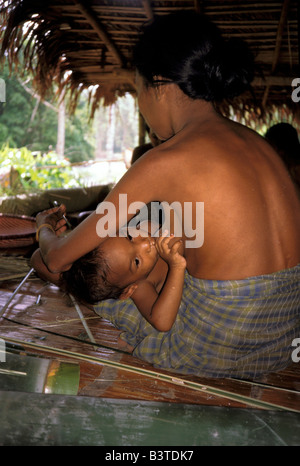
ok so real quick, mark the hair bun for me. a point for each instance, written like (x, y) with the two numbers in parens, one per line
(189, 50)
(225, 71)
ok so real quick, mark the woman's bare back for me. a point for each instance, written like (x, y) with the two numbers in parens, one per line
(251, 209)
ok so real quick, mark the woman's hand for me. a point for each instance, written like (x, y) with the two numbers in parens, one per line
(42, 271)
(170, 253)
(53, 217)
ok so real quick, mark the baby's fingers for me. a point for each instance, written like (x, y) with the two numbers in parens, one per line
(164, 237)
(162, 242)
(175, 247)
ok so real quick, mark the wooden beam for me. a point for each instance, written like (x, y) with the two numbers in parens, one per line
(280, 30)
(148, 9)
(99, 28)
(198, 5)
(298, 21)
(281, 81)
(281, 26)
(127, 76)
(117, 75)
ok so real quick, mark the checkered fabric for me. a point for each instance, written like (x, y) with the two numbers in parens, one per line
(233, 328)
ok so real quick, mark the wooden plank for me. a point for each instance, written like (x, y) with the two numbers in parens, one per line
(55, 323)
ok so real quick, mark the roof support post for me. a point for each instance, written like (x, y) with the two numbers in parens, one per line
(148, 9)
(199, 7)
(280, 30)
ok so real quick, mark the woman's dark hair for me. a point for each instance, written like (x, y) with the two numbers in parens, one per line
(188, 49)
(87, 279)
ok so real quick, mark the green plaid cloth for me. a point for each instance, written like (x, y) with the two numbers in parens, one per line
(233, 328)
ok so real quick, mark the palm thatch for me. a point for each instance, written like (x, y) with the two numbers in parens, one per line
(79, 44)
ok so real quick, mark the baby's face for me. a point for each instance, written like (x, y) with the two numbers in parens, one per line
(130, 258)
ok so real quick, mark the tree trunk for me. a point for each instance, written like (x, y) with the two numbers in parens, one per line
(111, 131)
(60, 144)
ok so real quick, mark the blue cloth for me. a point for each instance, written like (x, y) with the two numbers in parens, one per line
(233, 328)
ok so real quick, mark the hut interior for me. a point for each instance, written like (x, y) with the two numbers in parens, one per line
(80, 44)
(58, 356)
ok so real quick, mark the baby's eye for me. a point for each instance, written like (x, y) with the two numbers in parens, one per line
(137, 261)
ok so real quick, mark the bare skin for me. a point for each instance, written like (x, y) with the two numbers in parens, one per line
(151, 272)
(252, 212)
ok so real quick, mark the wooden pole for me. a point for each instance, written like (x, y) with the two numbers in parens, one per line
(61, 122)
(15, 292)
(280, 30)
(198, 4)
(148, 9)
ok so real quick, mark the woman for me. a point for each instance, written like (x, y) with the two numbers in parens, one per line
(251, 210)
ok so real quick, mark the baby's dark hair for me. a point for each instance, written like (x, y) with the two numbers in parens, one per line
(87, 279)
(188, 49)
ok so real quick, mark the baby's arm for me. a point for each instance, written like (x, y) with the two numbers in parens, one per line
(161, 309)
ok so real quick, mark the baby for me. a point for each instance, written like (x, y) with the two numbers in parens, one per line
(149, 270)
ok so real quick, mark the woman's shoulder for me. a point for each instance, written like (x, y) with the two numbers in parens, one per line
(158, 156)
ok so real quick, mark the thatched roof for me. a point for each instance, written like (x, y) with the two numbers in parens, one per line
(93, 40)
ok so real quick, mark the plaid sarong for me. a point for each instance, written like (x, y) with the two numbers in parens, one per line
(233, 328)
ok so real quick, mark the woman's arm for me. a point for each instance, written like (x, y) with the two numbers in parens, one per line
(37, 263)
(161, 309)
(60, 251)
(143, 182)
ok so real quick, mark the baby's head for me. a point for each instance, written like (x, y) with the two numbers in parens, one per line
(112, 270)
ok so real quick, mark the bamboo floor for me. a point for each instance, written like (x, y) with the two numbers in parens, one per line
(43, 321)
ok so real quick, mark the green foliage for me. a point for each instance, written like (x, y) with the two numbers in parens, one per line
(27, 122)
(22, 171)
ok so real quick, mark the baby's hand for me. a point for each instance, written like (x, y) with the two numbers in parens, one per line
(170, 254)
